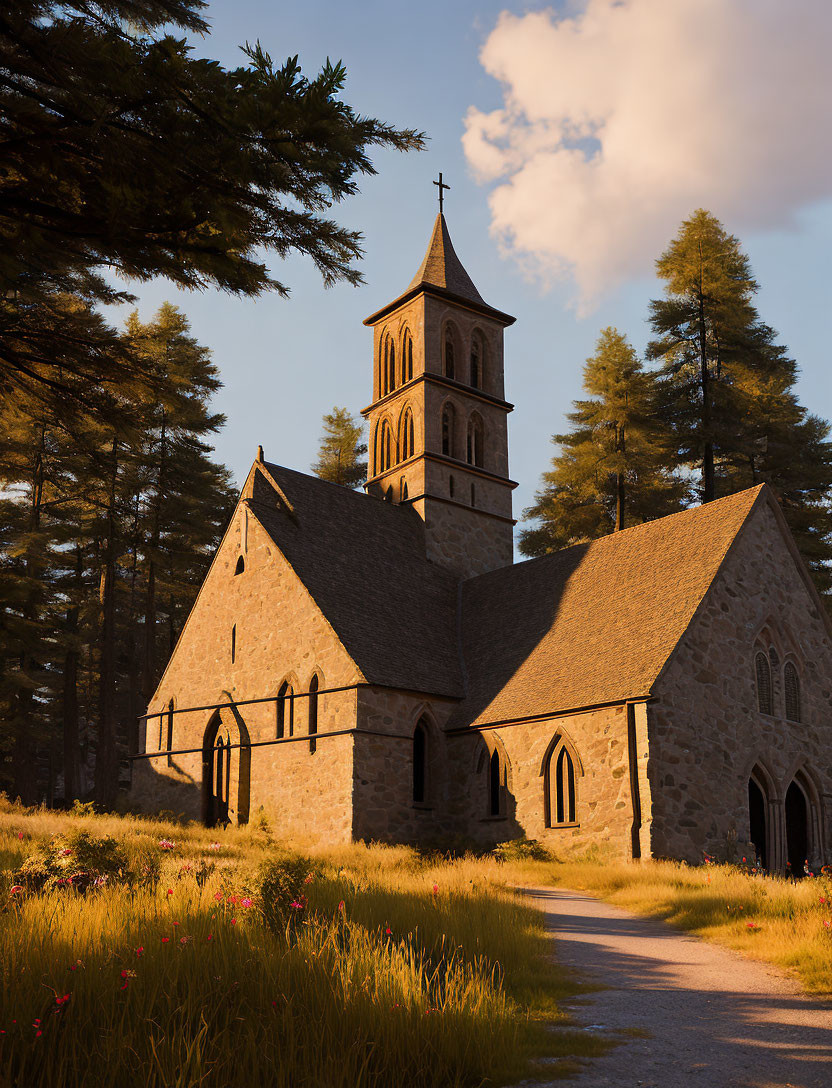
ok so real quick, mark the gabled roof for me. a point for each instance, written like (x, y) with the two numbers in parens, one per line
(363, 562)
(441, 273)
(594, 623)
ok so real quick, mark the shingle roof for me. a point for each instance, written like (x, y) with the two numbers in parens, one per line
(594, 623)
(363, 561)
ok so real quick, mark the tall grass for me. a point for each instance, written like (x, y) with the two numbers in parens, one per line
(779, 921)
(397, 970)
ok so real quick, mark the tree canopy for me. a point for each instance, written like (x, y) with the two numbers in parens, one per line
(341, 450)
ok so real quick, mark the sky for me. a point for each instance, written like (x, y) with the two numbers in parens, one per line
(576, 137)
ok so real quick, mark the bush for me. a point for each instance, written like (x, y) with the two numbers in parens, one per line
(77, 860)
(280, 882)
(522, 850)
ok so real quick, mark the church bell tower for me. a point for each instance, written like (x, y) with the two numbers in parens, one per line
(438, 418)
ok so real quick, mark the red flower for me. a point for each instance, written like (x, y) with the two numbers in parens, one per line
(170, 891)
(139, 950)
(20, 834)
(15, 888)
(165, 940)
(218, 896)
(341, 906)
(233, 921)
(388, 931)
(436, 889)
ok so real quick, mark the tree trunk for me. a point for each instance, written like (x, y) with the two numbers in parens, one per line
(149, 671)
(106, 758)
(708, 479)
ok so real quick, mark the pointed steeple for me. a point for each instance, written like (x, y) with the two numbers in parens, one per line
(441, 273)
(442, 268)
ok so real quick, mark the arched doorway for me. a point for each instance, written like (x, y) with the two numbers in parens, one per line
(797, 829)
(226, 770)
(757, 818)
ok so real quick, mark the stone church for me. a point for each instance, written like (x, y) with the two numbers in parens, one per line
(375, 666)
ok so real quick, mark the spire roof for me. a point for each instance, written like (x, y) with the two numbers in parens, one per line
(441, 272)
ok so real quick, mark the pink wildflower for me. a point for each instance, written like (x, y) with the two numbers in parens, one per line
(215, 846)
(166, 844)
(210, 936)
(436, 889)
(245, 902)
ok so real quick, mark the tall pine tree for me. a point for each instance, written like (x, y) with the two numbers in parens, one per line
(612, 469)
(341, 450)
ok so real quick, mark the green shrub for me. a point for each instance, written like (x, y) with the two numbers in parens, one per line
(76, 860)
(280, 883)
(83, 808)
(522, 850)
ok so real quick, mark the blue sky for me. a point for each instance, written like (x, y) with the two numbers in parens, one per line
(285, 363)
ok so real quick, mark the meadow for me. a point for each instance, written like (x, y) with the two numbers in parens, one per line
(136, 952)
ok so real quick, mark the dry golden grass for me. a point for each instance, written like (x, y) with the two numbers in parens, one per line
(398, 970)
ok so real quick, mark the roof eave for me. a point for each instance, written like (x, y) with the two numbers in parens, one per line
(503, 319)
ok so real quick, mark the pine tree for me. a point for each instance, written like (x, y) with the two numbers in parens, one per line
(726, 388)
(123, 150)
(612, 468)
(341, 450)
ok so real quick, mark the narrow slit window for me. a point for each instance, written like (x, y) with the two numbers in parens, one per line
(285, 711)
(791, 683)
(450, 367)
(420, 748)
(314, 685)
(233, 643)
(763, 684)
(169, 738)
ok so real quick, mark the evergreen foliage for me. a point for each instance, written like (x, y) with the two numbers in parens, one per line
(341, 450)
(123, 150)
(612, 468)
(108, 529)
(726, 388)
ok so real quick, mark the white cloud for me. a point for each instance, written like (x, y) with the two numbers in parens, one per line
(623, 118)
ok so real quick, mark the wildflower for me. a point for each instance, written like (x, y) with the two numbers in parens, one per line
(436, 889)
(341, 907)
(185, 940)
(827, 923)
(65, 853)
(165, 940)
(245, 902)
(20, 834)
(176, 923)
(296, 904)
(170, 891)
(215, 846)
(166, 844)
(128, 974)
(139, 950)
(218, 896)
(210, 936)
(15, 888)
(388, 931)
(751, 925)
(308, 879)
(62, 1000)
(232, 899)
(37, 1033)
(233, 921)
(822, 900)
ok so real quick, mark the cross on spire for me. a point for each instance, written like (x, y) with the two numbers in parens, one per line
(442, 186)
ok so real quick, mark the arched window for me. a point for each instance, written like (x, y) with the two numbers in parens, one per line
(241, 565)
(763, 683)
(403, 488)
(233, 643)
(407, 357)
(383, 447)
(420, 762)
(314, 685)
(407, 445)
(169, 739)
(791, 683)
(285, 710)
(391, 366)
(448, 430)
(559, 784)
(476, 361)
(474, 447)
(448, 353)
(497, 782)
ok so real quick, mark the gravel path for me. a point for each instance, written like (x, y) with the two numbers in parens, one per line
(715, 1018)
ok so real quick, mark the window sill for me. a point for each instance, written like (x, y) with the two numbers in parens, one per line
(563, 827)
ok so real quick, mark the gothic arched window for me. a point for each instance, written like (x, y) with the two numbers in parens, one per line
(763, 683)
(476, 361)
(420, 762)
(391, 366)
(383, 447)
(791, 683)
(169, 738)
(285, 710)
(475, 441)
(449, 353)
(561, 798)
(314, 685)
(407, 358)
(497, 783)
(448, 430)
(407, 444)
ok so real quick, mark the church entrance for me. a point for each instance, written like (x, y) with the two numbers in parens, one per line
(226, 760)
(757, 818)
(797, 829)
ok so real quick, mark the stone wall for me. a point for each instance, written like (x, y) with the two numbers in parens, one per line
(706, 731)
(279, 634)
(467, 541)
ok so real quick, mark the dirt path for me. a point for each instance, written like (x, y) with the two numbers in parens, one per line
(715, 1018)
